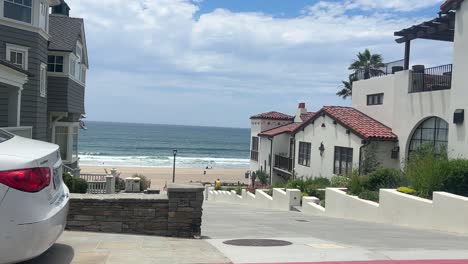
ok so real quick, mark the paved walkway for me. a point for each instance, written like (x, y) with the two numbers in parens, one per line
(321, 239)
(314, 239)
(99, 248)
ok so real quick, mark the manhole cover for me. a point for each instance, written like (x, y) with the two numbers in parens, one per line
(257, 243)
(302, 220)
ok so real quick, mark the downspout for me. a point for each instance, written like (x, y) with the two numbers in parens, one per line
(293, 156)
(271, 160)
(365, 143)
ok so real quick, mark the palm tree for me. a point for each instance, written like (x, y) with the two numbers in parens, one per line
(368, 63)
(347, 87)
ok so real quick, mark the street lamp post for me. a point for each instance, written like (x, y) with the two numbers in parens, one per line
(173, 167)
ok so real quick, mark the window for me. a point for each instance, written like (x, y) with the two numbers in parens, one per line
(83, 74)
(55, 64)
(66, 136)
(72, 66)
(343, 164)
(20, 10)
(75, 142)
(61, 139)
(17, 55)
(44, 13)
(254, 150)
(4, 136)
(375, 99)
(433, 131)
(17, 58)
(304, 154)
(43, 81)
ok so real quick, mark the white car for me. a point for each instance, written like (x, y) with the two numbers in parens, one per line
(33, 197)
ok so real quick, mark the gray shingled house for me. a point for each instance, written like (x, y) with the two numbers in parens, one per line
(43, 64)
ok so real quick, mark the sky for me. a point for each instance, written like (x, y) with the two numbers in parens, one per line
(217, 62)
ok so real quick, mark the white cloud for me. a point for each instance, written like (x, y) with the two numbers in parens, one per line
(157, 52)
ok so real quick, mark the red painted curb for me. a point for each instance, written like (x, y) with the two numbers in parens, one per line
(440, 261)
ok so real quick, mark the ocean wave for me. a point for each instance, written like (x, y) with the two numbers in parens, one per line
(163, 161)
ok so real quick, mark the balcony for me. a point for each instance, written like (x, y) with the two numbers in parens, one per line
(20, 131)
(283, 163)
(254, 155)
(388, 68)
(430, 79)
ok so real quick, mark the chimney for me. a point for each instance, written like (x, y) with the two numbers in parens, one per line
(300, 110)
(62, 9)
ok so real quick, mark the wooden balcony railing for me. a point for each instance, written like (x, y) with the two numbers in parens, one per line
(254, 155)
(431, 79)
(283, 163)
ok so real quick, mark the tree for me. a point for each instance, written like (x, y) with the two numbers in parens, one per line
(347, 87)
(367, 63)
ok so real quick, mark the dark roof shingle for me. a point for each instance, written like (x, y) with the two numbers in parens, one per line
(64, 32)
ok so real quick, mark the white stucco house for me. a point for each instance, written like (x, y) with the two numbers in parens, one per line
(391, 114)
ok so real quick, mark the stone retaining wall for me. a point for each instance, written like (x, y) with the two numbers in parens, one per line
(177, 214)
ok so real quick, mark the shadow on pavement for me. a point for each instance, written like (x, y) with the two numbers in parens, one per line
(57, 254)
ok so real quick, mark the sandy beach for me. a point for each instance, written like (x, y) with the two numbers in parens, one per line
(159, 176)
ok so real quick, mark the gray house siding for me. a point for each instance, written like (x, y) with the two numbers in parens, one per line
(33, 107)
(65, 95)
(3, 108)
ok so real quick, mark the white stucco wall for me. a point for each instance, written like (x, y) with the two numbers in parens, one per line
(386, 85)
(256, 127)
(383, 153)
(332, 135)
(458, 138)
(407, 110)
(281, 199)
(446, 212)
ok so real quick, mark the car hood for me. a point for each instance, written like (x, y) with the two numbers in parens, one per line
(25, 148)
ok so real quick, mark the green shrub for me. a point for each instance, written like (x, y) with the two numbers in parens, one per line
(340, 181)
(426, 170)
(296, 184)
(262, 177)
(456, 178)
(355, 184)
(80, 185)
(68, 180)
(239, 190)
(407, 190)
(370, 195)
(75, 184)
(119, 184)
(319, 182)
(383, 178)
(145, 183)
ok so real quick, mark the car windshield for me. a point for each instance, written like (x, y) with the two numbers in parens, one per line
(4, 136)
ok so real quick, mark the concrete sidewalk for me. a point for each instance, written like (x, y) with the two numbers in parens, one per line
(316, 239)
(100, 248)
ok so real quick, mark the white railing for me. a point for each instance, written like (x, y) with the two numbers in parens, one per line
(73, 172)
(93, 177)
(20, 131)
(97, 187)
(99, 183)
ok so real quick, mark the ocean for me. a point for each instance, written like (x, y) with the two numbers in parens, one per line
(150, 145)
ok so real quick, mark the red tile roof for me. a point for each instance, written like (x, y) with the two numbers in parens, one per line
(358, 122)
(273, 115)
(289, 128)
(307, 116)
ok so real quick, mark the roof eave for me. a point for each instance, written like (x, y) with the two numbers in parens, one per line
(54, 2)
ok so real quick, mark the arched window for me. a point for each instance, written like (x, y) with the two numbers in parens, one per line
(433, 131)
